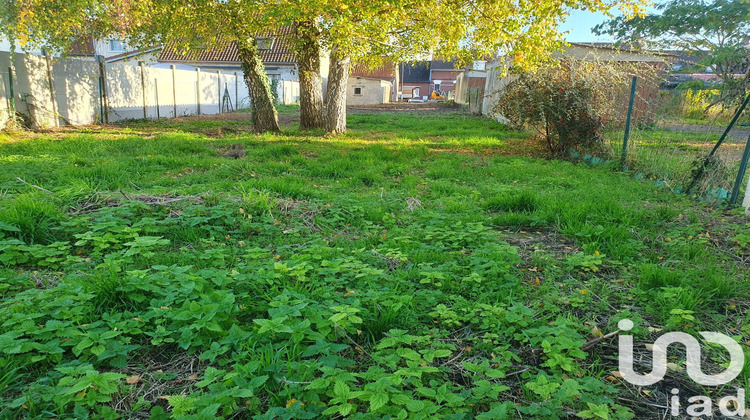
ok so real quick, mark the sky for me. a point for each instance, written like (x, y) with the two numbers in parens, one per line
(579, 25)
(580, 22)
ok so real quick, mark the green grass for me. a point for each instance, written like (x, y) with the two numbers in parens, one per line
(672, 157)
(402, 269)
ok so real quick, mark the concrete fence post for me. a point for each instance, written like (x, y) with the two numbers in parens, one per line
(105, 96)
(198, 88)
(218, 100)
(51, 84)
(236, 91)
(174, 89)
(156, 97)
(142, 65)
(11, 94)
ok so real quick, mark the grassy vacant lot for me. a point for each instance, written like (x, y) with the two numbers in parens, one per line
(419, 266)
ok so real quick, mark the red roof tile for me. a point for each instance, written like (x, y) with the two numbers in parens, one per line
(385, 72)
(227, 51)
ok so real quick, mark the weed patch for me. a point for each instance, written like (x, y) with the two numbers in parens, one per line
(404, 269)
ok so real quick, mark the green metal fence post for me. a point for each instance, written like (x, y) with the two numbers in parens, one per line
(624, 156)
(706, 161)
(730, 126)
(741, 173)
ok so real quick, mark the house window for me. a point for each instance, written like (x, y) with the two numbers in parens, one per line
(115, 45)
(357, 90)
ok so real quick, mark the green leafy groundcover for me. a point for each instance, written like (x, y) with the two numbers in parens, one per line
(323, 278)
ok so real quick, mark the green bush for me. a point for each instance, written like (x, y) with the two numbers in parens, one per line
(563, 110)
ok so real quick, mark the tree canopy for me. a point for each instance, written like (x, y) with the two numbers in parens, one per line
(365, 29)
(362, 31)
(716, 32)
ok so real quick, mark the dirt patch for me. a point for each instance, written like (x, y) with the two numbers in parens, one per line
(153, 378)
(534, 243)
(234, 151)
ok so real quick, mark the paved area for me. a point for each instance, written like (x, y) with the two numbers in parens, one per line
(738, 133)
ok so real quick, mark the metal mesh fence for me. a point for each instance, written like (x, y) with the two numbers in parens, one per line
(674, 134)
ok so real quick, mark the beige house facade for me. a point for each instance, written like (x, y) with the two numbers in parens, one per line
(367, 91)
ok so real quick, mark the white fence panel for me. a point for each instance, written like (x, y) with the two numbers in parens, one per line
(209, 91)
(124, 92)
(76, 91)
(162, 99)
(132, 91)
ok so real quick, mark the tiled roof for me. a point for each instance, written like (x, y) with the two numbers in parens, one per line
(624, 47)
(443, 65)
(416, 72)
(227, 51)
(385, 72)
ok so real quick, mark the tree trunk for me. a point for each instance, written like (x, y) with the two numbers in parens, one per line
(338, 79)
(264, 114)
(310, 81)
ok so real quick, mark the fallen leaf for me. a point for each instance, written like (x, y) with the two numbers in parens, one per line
(133, 380)
(596, 332)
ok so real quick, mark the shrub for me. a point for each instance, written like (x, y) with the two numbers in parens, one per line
(562, 110)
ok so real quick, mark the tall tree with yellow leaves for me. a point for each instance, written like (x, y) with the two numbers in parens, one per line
(361, 31)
